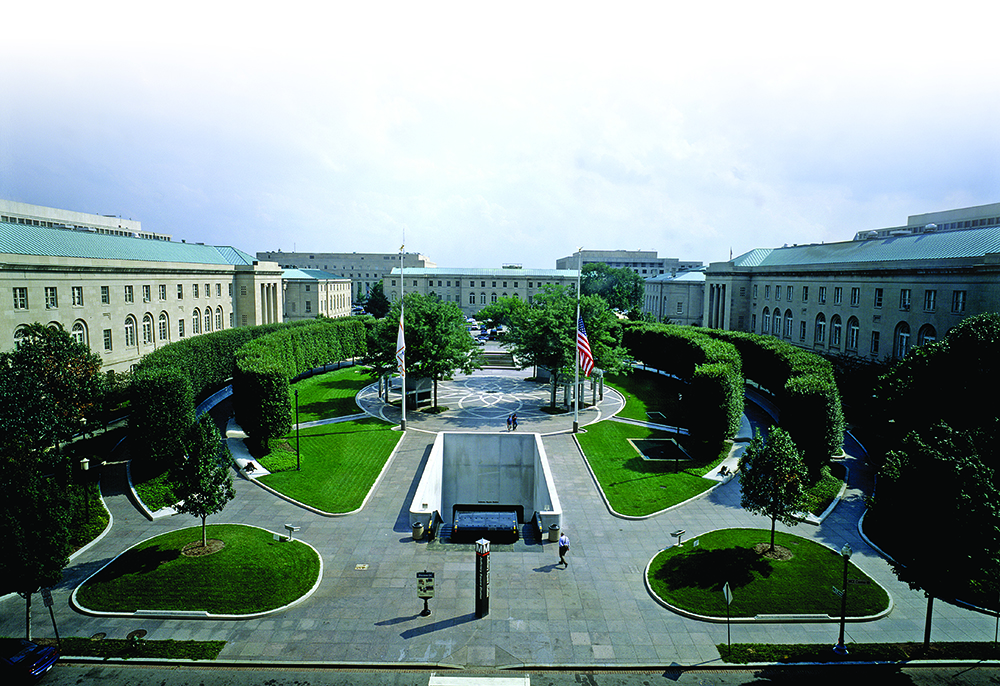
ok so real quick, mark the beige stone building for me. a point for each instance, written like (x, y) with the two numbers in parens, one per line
(124, 293)
(675, 298)
(473, 289)
(364, 269)
(873, 297)
(645, 263)
(309, 293)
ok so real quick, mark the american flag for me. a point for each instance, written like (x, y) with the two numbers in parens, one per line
(583, 347)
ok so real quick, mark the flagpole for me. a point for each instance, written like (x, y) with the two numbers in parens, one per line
(402, 285)
(576, 347)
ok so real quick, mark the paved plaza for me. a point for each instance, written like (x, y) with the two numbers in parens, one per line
(595, 611)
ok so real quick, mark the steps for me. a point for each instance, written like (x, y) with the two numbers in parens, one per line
(498, 360)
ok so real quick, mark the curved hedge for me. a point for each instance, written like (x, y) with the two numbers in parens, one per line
(264, 367)
(804, 386)
(711, 367)
(168, 381)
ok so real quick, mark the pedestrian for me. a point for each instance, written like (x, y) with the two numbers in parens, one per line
(563, 548)
(510, 419)
(513, 421)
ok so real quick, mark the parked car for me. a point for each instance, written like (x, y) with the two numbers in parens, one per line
(25, 661)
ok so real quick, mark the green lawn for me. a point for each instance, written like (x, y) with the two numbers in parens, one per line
(650, 397)
(692, 577)
(635, 486)
(252, 573)
(331, 394)
(340, 463)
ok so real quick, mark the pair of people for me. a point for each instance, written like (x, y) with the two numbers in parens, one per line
(512, 421)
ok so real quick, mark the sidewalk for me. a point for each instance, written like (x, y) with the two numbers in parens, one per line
(593, 612)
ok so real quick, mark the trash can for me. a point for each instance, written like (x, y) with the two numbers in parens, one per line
(553, 533)
(418, 531)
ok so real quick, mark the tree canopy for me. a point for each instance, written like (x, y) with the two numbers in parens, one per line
(201, 478)
(437, 340)
(620, 287)
(377, 305)
(772, 478)
(544, 333)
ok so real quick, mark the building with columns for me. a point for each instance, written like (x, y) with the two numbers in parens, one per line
(675, 298)
(364, 269)
(872, 297)
(473, 289)
(124, 292)
(309, 293)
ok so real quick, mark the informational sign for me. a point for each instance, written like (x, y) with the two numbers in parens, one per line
(482, 578)
(425, 584)
(727, 594)
(47, 597)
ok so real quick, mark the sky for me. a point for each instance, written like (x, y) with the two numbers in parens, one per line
(480, 134)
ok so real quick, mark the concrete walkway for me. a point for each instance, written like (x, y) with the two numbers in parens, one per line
(596, 611)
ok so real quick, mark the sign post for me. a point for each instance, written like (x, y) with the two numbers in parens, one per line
(482, 578)
(47, 600)
(425, 590)
(728, 595)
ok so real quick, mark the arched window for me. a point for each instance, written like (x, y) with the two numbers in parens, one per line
(196, 321)
(208, 319)
(472, 298)
(164, 326)
(835, 331)
(18, 335)
(788, 324)
(493, 297)
(482, 298)
(147, 329)
(218, 318)
(79, 332)
(901, 340)
(776, 322)
(853, 333)
(765, 321)
(926, 334)
(820, 338)
(130, 341)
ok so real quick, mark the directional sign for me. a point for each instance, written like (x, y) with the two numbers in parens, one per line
(727, 594)
(47, 596)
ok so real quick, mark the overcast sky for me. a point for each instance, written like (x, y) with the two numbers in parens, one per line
(490, 133)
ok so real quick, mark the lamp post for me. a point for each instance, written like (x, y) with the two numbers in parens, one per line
(298, 464)
(840, 648)
(85, 473)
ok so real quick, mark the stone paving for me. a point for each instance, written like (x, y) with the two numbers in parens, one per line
(595, 611)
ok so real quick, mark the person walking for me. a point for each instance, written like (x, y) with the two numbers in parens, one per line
(509, 420)
(513, 421)
(563, 548)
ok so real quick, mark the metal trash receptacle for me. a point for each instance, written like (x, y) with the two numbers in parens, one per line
(553, 533)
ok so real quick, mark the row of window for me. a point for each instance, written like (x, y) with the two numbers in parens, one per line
(472, 284)
(958, 298)
(834, 335)
(20, 294)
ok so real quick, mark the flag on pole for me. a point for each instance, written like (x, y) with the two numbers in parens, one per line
(583, 347)
(401, 347)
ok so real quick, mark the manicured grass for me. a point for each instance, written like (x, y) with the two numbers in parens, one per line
(646, 394)
(742, 653)
(151, 480)
(632, 485)
(123, 648)
(340, 463)
(692, 577)
(252, 573)
(819, 495)
(330, 394)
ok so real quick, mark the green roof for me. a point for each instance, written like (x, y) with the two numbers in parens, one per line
(964, 244)
(21, 239)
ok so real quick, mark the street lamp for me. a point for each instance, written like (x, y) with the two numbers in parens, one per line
(85, 473)
(840, 648)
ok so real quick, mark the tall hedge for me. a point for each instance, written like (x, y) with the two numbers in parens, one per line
(264, 367)
(162, 410)
(804, 387)
(711, 367)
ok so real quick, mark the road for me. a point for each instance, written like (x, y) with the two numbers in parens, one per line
(66, 674)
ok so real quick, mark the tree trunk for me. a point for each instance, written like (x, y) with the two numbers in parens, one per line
(435, 393)
(552, 384)
(772, 534)
(27, 617)
(204, 532)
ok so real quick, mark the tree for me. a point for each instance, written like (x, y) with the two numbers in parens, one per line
(377, 304)
(437, 340)
(504, 312)
(545, 334)
(772, 478)
(948, 473)
(34, 531)
(621, 288)
(202, 479)
(48, 383)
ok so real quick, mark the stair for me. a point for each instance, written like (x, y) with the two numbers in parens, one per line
(499, 360)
